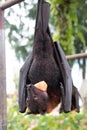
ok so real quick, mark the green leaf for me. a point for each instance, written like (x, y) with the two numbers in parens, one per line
(81, 37)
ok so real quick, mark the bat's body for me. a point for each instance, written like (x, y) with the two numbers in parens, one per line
(44, 66)
(46, 63)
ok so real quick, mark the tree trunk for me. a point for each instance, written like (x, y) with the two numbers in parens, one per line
(3, 122)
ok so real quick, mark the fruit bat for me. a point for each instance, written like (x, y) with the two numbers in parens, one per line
(47, 62)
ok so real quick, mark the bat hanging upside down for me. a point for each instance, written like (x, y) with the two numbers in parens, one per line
(45, 78)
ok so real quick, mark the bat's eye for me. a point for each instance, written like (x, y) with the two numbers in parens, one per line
(35, 98)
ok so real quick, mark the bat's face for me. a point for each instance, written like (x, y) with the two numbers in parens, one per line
(37, 100)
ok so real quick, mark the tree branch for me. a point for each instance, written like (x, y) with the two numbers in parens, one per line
(76, 56)
(9, 3)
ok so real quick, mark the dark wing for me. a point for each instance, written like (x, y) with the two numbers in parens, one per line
(22, 83)
(66, 77)
(75, 99)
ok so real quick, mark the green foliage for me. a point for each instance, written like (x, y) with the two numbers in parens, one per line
(70, 121)
(70, 22)
(69, 19)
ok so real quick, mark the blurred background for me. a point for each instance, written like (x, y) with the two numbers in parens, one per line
(68, 25)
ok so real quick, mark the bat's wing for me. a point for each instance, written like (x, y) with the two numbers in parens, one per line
(22, 83)
(75, 99)
(66, 76)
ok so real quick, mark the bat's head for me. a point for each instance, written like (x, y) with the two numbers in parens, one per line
(37, 99)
